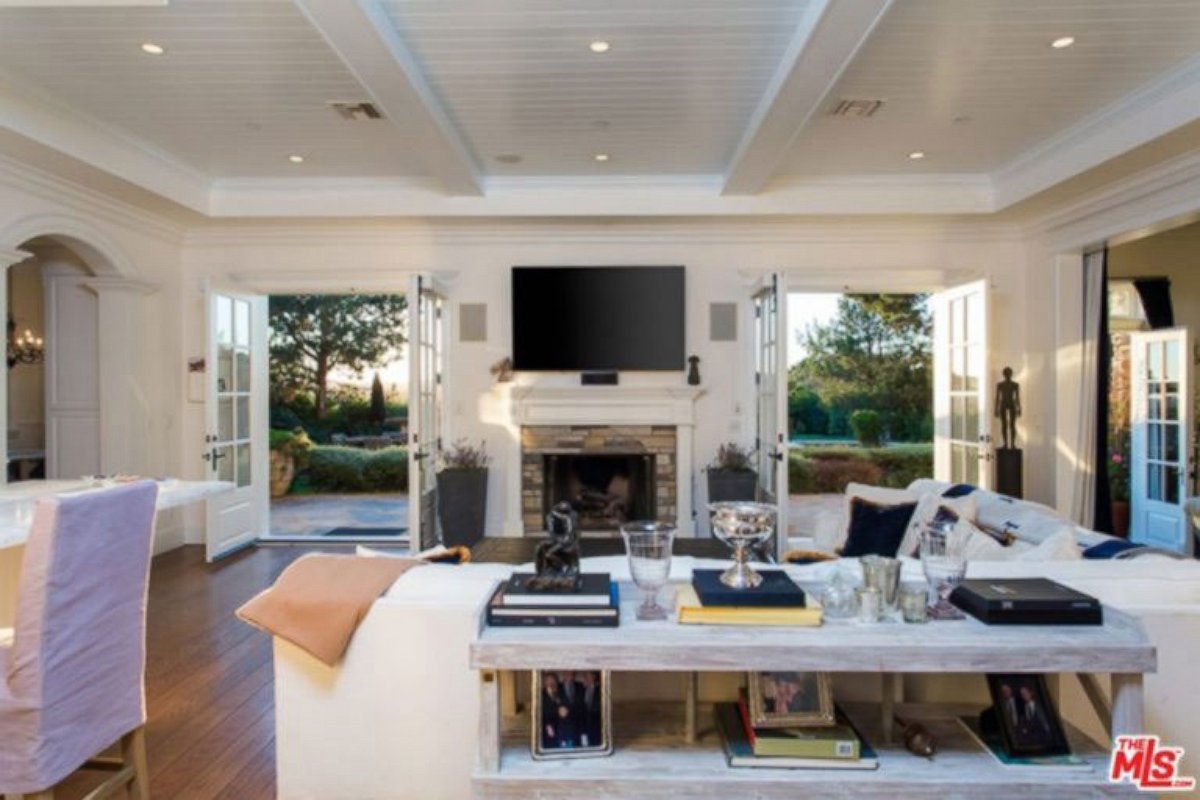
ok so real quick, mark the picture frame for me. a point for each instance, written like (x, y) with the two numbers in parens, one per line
(1026, 716)
(578, 724)
(779, 699)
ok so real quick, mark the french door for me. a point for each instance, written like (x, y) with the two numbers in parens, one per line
(427, 325)
(1160, 437)
(962, 442)
(237, 419)
(770, 377)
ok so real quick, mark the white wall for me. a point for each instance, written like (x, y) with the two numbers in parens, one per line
(722, 260)
(1173, 254)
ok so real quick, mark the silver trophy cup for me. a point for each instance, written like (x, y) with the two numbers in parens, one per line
(741, 525)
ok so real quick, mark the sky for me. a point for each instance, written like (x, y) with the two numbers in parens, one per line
(803, 310)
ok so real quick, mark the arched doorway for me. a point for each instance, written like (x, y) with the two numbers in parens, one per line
(53, 398)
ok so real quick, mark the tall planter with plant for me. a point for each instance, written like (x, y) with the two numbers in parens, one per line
(1118, 480)
(462, 493)
(731, 476)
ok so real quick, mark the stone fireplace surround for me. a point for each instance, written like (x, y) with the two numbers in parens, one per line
(603, 419)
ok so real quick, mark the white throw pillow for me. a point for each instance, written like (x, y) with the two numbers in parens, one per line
(927, 508)
(979, 546)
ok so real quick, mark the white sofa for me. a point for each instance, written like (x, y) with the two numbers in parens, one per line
(398, 718)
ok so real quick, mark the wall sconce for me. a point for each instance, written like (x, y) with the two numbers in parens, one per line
(24, 349)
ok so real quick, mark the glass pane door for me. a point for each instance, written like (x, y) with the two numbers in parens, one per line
(962, 414)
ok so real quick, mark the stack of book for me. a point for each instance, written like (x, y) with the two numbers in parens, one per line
(834, 747)
(776, 601)
(594, 604)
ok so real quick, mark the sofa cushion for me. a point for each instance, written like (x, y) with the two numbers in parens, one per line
(978, 545)
(931, 508)
(875, 528)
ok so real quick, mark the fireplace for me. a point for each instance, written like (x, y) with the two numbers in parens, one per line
(605, 490)
(609, 474)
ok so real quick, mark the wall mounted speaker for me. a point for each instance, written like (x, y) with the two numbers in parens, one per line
(472, 322)
(722, 322)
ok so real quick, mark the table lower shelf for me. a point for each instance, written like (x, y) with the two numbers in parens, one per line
(651, 759)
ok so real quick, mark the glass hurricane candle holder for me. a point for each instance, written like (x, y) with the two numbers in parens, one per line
(648, 544)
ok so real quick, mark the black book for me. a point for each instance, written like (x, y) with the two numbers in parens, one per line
(1026, 601)
(776, 591)
(502, 615)
(593, 591)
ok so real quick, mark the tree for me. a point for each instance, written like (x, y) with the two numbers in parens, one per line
(378, 403)
(874, 355)
(311, 335)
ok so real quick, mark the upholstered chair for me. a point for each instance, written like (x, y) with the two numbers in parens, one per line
(72, 681)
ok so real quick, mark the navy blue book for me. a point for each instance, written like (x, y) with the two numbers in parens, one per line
(776, 591)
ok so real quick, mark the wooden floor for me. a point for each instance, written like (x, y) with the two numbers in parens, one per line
(208, 680)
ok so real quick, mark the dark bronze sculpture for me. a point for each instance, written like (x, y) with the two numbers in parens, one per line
(557, 558)
(693, 378)
(1008, 408)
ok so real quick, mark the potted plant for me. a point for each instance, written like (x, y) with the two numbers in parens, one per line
(1118, 481)
(462, 493)
(731, 476)
(289, 454)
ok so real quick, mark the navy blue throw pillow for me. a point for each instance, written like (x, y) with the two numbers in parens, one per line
(958, 490)
(876, 529)
(1110, 548)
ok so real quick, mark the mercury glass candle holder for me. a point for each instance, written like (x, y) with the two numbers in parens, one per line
(742, 525)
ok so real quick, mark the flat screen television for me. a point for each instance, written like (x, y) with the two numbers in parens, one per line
(581, 319)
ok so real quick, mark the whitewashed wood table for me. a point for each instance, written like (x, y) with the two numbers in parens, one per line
(680, 768)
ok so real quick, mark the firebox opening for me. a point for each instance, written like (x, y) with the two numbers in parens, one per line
(605, 490)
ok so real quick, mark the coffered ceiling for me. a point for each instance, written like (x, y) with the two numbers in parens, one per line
(503, 106)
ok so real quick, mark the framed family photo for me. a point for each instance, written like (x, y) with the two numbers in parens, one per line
(572, 714)
(1026, 715)
(790, 699)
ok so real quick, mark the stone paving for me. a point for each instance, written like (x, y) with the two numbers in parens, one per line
(313, 515)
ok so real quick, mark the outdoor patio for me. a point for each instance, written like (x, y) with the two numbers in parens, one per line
(316, 515)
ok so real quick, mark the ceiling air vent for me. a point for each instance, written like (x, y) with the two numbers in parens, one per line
(858, 108)
(356, 111)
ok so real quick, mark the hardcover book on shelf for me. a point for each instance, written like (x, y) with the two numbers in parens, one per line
(776, 591)
(500, 614)
(594, 591)
(689, 611)
(740, 753)
(833, 741)
(1026, 601)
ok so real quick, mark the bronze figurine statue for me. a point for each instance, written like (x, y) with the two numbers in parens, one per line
(1008, 408)
(557, 558)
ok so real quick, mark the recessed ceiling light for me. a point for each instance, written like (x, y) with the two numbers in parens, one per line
(600, 46)
(153, 49)
(916, 155)
(1062, 41)
(601, 156)
(296, 159)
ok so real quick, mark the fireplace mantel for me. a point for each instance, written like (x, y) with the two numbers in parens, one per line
(605, 405)
(549, 405)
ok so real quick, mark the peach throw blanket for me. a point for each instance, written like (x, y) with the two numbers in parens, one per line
(319, 601)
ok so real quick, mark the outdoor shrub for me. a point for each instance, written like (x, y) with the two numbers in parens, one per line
(831, 477)
(867, 426)
(814, 470)
(294, 443)
(337, 469)
(350, 469)
(386, 470)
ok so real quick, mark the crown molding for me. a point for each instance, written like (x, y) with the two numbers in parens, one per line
(31, 112)
(1124, 209)
(86, 201)
(1157, 108)
(11, 257)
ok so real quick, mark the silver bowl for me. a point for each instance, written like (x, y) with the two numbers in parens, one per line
(740, 525)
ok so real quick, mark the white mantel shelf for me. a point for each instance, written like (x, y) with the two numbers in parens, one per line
(605, 405)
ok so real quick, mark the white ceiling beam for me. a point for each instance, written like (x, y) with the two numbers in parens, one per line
(360, 32)
(826, 41)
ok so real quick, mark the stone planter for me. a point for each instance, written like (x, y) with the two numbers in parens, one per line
(727, 484)
(283, 470)
(462, 505)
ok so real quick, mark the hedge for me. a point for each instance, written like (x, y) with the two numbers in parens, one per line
(352, 469)
(827, 470)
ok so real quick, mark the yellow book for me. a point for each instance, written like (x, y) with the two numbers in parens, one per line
(690, 612)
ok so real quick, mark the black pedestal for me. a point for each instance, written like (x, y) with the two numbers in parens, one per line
(1008, 472)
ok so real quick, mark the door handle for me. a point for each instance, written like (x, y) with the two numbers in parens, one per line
(777, 455)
